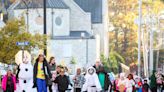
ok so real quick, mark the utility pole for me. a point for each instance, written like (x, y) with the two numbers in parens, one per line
(27, 19)
(45, 25)
(139, 37)
(151, 46)
(151, 41)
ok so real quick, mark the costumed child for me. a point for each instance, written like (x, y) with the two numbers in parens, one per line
(92, 83)
(79, 80)
(25, 76)
(145, 87)
(122, 82)
(130, 84)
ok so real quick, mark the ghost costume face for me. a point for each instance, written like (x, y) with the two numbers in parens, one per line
(25, 76)
(92, 83)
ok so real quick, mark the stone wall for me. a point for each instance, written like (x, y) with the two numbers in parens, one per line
(36, 21)
(64, 50)
(79, 19)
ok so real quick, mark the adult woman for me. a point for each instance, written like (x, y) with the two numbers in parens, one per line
(153, 82)
(41, 74)
(103, 79)
(9, 82)
(52, 66)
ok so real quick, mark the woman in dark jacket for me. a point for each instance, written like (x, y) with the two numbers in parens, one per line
(104, 79)
(52, 66)
(41, 74)
(153, 82)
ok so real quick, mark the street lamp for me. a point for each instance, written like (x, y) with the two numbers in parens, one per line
(139, 37)
(26, 2)
(45, 24)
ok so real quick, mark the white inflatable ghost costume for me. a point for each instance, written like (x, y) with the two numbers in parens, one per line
(92, 83)
(25, 76)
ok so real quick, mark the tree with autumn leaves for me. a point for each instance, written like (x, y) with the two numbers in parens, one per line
(124, 37)
(15, 31)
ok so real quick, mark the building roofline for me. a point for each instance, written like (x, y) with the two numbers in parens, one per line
(71, 38)
(59, 4)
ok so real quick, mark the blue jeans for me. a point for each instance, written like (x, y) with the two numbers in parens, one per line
(41, 85)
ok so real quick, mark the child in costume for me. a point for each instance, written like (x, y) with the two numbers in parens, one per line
(92, 83)
(79, 80)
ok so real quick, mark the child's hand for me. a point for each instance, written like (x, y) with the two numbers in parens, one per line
(74, 78)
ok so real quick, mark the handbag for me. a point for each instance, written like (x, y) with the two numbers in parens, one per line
(49, 82)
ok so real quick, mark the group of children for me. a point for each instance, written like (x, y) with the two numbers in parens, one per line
(131, 84)
(44, 76)
(90, 81)
(47, 75)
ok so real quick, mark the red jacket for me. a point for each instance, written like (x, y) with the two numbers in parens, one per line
(139, 84)
(4, 82)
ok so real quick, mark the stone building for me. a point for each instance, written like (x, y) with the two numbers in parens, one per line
(77, 28)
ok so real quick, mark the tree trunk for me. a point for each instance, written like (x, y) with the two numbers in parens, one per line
(116, 37)
(125, 41)
(157, 59)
